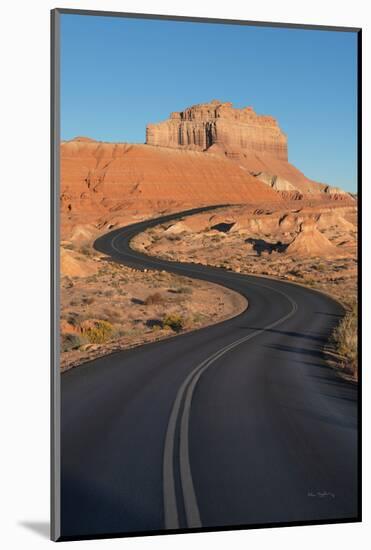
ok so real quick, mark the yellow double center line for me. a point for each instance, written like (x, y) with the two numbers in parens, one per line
(186, 391)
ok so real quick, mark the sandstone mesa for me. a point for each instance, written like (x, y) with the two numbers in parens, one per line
(203, 126)
(254, 141)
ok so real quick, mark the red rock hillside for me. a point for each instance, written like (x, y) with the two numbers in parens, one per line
(206, 154)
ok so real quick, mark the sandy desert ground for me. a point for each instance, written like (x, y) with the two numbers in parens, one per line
(316, 247)
(107, 307)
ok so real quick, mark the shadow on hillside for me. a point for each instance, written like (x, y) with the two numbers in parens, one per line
(224, 227)
(260, 246)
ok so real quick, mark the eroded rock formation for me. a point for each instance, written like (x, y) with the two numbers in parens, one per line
(311, 242)
(201, 126)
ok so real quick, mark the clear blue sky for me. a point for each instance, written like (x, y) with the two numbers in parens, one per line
(119, 74)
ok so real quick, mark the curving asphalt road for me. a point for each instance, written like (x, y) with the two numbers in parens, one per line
(240, 423)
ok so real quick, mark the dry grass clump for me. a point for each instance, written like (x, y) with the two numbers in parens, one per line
(173, 237)
(182, 290)
(345, 339)
(99, 332)
(111, 314)
(153, 299)
(71, 341)
(173, 321)
(86, 250)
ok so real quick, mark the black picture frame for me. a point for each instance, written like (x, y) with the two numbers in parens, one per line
(56, 534)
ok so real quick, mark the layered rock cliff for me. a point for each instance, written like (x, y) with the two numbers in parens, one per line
(201, 126)
(255, 142)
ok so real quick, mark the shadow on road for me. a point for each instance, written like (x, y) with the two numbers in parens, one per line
(291, 333)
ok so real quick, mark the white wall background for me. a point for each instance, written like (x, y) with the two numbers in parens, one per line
(24, 301)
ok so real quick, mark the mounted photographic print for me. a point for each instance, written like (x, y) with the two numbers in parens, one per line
(205, 187)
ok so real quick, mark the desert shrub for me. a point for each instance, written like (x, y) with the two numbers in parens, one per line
(122, 292)
(99, 333)
(198, 317)
(68, 283)
(173, 237)
(113, 314)
(153, 299)
(133, 332)
(319, 267)
(183, 290)
(86, 250)
(73, 319)
(295, 273)
(71, 341)
(88, 300)
(344, 337)
(154, 324)
(173, 321)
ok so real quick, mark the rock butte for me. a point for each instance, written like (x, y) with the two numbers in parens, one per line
(206, 154)
(202, 126)
(255, 142)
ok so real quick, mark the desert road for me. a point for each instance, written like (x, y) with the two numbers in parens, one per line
(240, 423)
